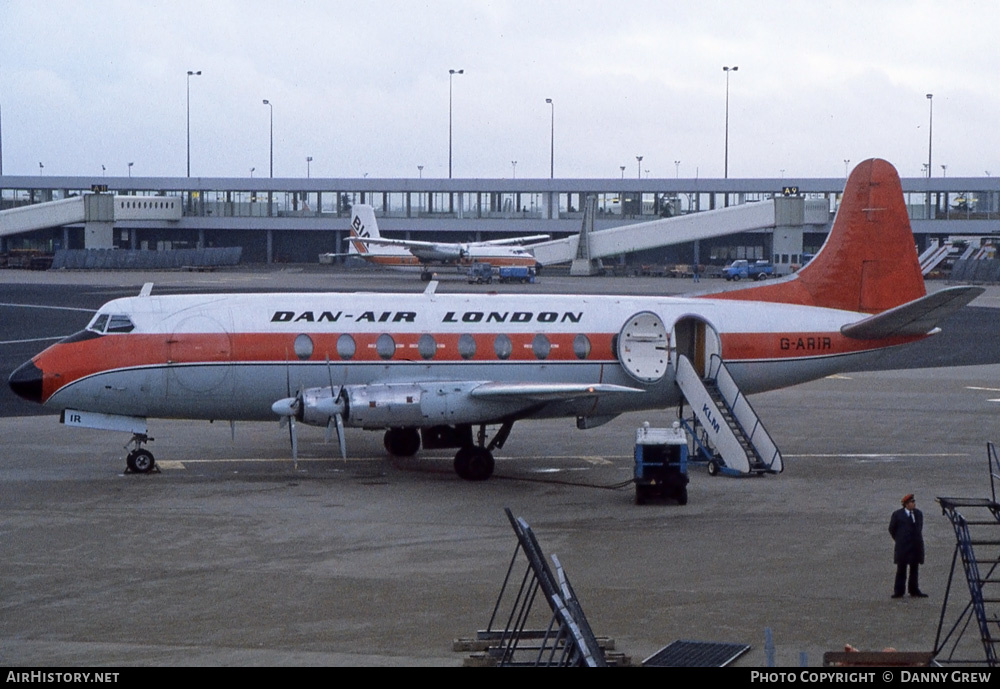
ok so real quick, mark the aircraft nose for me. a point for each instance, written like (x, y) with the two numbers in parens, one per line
(26, 382)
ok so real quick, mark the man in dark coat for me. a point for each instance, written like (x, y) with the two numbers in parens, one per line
(906, 528)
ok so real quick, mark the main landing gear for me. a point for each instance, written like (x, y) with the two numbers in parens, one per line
(473, 461)
(401, 442)
(140, 461)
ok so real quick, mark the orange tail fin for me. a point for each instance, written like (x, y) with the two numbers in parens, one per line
(869, 261)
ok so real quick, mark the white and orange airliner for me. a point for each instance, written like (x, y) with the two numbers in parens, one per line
(438, 369)
(366, 242)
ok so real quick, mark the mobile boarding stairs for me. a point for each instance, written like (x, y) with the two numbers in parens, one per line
(977, 556)
(726, 430)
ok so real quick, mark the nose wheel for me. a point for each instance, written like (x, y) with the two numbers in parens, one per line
(140, 461)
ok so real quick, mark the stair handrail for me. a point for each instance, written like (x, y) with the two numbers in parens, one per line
(765, 447)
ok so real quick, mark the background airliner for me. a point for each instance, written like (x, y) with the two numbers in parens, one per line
(438, 370)
(367, 243)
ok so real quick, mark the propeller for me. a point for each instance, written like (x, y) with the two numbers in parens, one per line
(333, 408)
(337, 418)
(290, 409)
(317, 407)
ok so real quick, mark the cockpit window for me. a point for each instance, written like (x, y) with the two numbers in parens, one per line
(99, 323)
(105, 323)
(120, 324)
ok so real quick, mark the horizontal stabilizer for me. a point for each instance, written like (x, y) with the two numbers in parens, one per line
(917, 317)
(548, 391)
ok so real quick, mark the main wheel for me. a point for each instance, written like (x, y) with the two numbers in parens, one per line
(640, 495)
(401, 442)
(140, 461)
(474, 463)
(682, 495)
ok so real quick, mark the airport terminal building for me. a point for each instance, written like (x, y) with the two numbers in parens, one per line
(296, 220)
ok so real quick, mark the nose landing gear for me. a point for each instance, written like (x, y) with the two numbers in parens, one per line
(140, 461)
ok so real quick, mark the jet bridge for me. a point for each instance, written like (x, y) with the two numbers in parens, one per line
(792, 212)
(98, 212)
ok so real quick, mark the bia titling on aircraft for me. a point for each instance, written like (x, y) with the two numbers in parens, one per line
(433, 367)
(407, 254)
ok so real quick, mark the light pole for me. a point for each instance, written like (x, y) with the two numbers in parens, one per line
(638, 160)
(251, 172)
(271, 107)
(42, 167)
(552, 140)
(309, 160)
(727, 70)
(129, 169)
(451, 74)
(677, 169)
(189, 75)
(420, 171)
(513, 165)
(930, 146)
(930, 131)
(944, 170)
(847, 161)
(623, 171)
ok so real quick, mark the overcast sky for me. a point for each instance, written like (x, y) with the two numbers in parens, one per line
(362, 87)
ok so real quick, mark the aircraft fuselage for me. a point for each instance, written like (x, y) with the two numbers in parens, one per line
(233, 356)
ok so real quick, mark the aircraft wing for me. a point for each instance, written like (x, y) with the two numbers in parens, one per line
(548, 392)
(424, 251)
(513, 240)
(917, 317)
(408, 243)
(417, 244)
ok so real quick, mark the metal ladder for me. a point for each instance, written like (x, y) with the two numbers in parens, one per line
(978, 547)
(566, 640)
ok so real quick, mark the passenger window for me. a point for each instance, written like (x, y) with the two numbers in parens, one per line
(503, 347)
(427, 346)
(581, 346)
(303, 346)
(540, 346)
(385, 346)
(120, 324)
(466, 346)
(346, 346)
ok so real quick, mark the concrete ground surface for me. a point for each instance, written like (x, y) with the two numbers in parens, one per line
(233, 556)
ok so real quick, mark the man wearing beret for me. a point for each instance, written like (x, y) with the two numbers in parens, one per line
(906, 528)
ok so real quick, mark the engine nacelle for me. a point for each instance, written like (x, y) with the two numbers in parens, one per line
(318, 405)
(384, 406)
(398, 405)
(449, 252)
